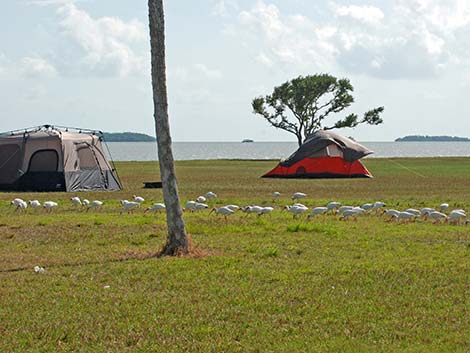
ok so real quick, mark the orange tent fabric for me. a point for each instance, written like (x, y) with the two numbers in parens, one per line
(323, 167)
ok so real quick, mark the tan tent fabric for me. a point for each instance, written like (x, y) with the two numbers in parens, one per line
(49, 159)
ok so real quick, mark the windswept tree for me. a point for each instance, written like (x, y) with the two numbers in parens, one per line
(177, 241)
(300, 106)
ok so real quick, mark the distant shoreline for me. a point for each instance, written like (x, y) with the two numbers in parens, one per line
(127, 137)
(280, 142)
(426, 138)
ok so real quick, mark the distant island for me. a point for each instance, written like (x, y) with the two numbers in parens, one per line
(426, 138)
(247, 141)
(127, 137)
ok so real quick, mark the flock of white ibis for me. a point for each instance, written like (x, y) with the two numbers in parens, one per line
(344, 212)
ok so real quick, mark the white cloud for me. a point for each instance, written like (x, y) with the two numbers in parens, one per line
(293, 39)
(100, 46)
(50, 2)
(408, 41)
(223, 8)
(36, 67)
(264, 60)
(207, 72)
(445, 15)
(366, 14)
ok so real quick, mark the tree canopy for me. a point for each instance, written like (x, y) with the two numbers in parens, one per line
(300, 106)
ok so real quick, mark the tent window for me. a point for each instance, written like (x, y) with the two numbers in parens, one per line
(87, 158)
(44, 161)
(334, 151)
(10, 157)
(319, 154)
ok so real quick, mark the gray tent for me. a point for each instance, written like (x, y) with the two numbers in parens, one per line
(324, 154)
(315, 146)
(47, 158)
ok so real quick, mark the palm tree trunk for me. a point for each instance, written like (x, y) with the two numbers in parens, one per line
(177, 241)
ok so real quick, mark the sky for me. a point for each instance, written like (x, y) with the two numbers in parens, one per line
(87, 64)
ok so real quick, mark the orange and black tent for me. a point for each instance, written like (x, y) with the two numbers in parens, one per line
(324, 154)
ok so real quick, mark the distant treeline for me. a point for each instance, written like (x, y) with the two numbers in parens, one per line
(420, 138)
(127, 137)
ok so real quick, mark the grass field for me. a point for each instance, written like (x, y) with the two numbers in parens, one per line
(272, 284)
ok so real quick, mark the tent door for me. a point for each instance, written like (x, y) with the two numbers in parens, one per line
(90, 165)
(43, 172)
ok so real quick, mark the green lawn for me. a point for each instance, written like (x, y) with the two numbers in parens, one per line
(272, 284)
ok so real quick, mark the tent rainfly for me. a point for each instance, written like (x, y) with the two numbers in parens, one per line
(324, 154)
(49, 158)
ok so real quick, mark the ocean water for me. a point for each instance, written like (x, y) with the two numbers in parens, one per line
(147, 151)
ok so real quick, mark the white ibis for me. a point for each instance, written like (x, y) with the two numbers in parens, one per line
(333, 205)
(252, 209)
(190, 205)
(138, 199)
(85, 203)
(456, 216)
(443, 207)
(156, 207)
(22, 206)
(351, 213)
(393, 214)
(367, 206)
(76, 201)
(34, 204)
(39, 269)
(296, 210)
(265, 210)
(378, 205)
(343, 209)
(299, 205)
(276, 195)
(406, 216)
(210, 195)
(50, 205)
(358, 209)
(426, 211)
(317, 211)
(95, 205)
(414, 211)
(298, 195)
(129, 206)
(200, 206)
(437, 216)
(201, 199)
(17, 202)
(233, 207)
(224, 211)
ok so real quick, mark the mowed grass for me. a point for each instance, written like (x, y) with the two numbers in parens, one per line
(272, 284)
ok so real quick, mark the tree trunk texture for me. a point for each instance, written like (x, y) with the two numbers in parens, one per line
(300, 141)
(177, 241)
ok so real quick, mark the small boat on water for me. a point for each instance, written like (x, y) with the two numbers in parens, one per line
(247, 141)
